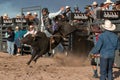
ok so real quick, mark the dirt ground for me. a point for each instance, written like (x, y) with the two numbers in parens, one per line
(59, 67)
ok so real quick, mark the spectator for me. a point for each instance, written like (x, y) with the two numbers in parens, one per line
(36, 20)
(10, 40)
(95, 59)
(106, 45)
(23, 31)
(94, 11)
(102, 6)
(117, 4)
(5, 16)
(108, 5)
(66, 13)
(29, 17)
(31, 30)
(18, 16)
(17, 39)
(76, 9)
(87, 10)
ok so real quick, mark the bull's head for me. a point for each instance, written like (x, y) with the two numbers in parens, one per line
(28, 39)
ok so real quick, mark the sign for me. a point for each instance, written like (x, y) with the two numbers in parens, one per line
(20, 20)
(108, 15)
(7, 21)
(78, 16)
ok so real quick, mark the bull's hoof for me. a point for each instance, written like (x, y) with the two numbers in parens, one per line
(28, 63)
(35, 61)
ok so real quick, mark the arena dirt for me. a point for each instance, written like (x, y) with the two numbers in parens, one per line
(59, 67)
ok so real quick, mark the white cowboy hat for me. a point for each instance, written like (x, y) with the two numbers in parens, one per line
(35, 13)
(108, 1)
(5, 14)
(67, 7)
(16, 27)
(94, 3)
(31, 26)
(108, 25)
(28, 13)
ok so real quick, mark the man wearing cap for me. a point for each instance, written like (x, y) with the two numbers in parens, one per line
(31, 30)
(107, 43)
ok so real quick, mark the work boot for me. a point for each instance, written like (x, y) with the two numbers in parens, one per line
(95, 74)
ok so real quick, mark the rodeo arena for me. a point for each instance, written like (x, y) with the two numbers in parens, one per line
(64, 45)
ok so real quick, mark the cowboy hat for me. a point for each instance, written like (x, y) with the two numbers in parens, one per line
(28, 13)
(108, 1)
(67, 7)
(108, 25)
(94, 3)
(31, 26)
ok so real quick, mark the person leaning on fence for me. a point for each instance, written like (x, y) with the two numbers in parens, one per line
(94, 10)
(9, 35)
(95, 58)
(106, 45)
(31, 30)
(66, 13)
(36, 19)
(29, 17)
(108, 5)
(17, 39)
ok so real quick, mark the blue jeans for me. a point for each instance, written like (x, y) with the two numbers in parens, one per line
(10, 47)
(106, 65)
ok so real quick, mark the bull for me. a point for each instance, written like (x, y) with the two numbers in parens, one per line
(42, 44)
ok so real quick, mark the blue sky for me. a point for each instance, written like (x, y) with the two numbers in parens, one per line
(13, 7)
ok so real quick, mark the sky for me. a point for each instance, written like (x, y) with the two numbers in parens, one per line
(13, 7)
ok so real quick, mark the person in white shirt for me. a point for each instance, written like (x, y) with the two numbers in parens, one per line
(31, 30)
(47, 20)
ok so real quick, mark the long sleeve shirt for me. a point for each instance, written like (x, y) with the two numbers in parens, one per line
(10, 36)
(30, 32)
(107, 43)
(51, 16)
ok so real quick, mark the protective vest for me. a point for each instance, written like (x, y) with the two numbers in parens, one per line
(47, 21)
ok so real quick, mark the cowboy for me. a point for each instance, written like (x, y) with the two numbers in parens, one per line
(31, 30)
(117, 4)
(108, 5)
(47, 20)
(5, 16)
(36, 19)
(106, 45)
(95, 9)
(67, 12)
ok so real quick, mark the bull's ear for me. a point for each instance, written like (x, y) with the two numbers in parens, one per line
(33, 35)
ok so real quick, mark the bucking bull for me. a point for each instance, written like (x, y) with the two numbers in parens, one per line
(41, 44)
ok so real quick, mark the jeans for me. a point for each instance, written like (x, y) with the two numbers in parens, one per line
(59, 48)
(10, 47)
(106, 65)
